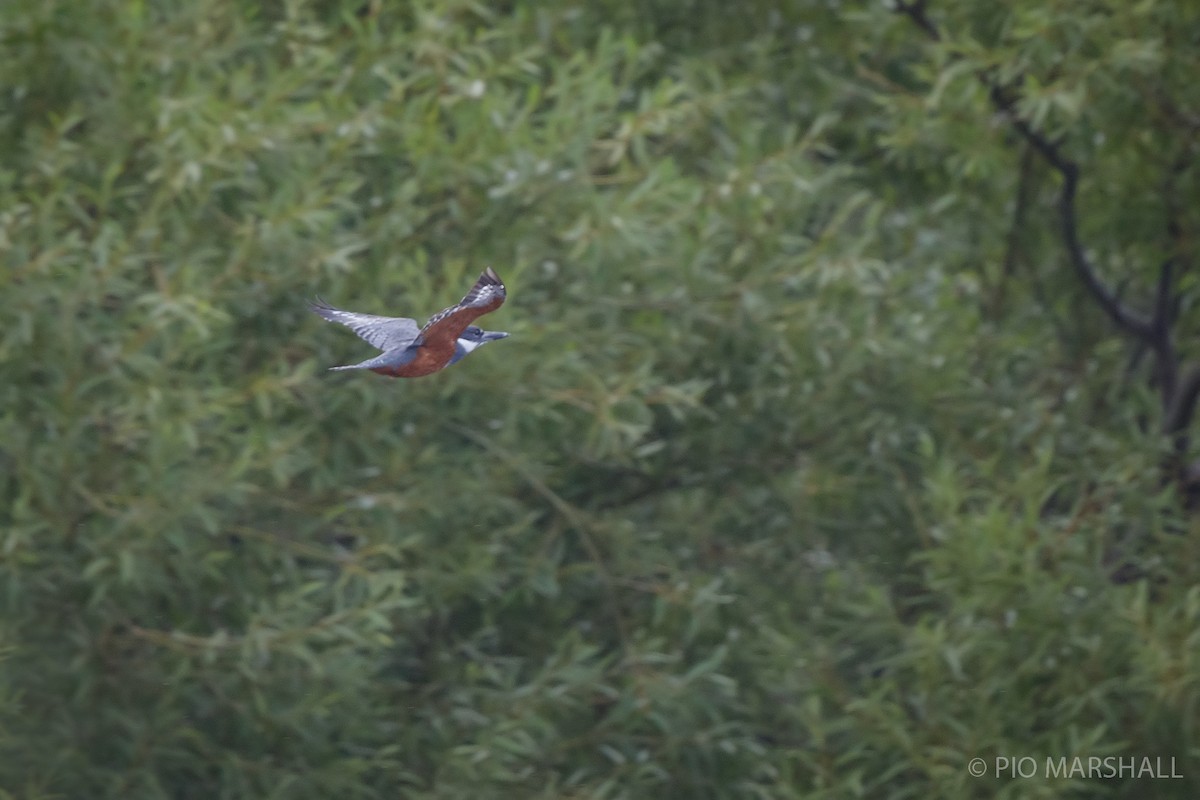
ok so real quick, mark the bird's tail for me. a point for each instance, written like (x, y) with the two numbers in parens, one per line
(390, 358)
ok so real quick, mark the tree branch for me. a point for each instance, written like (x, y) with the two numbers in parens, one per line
(1179, 405)
(1179, 395)
(1164, 345)
(1122, 315)
(1182, 405)
(916, 11)
(1012, 240)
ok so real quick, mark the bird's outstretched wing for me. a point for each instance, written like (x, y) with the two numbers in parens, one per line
(386, 333)
(485, 296)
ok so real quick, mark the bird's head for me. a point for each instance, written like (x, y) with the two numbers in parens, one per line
(471, 338)
(479, 336)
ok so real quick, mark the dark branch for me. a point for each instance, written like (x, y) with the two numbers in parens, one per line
(1012, 240)
(1183, 405)
(1179, 394)
(916, 11)
(1164, 346)
(1179, 400)
(1123, 316)
(1180, 252)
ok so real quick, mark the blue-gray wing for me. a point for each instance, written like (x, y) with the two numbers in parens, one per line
(386, 333)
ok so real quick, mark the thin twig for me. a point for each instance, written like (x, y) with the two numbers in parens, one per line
(1012, 241)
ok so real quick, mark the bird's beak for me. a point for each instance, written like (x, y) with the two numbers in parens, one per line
(491, 336)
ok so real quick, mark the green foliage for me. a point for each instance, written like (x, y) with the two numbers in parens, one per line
(809, 470)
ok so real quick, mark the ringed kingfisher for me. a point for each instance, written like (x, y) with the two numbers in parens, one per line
(411, 352)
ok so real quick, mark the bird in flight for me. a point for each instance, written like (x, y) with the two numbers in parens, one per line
(411, 352)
